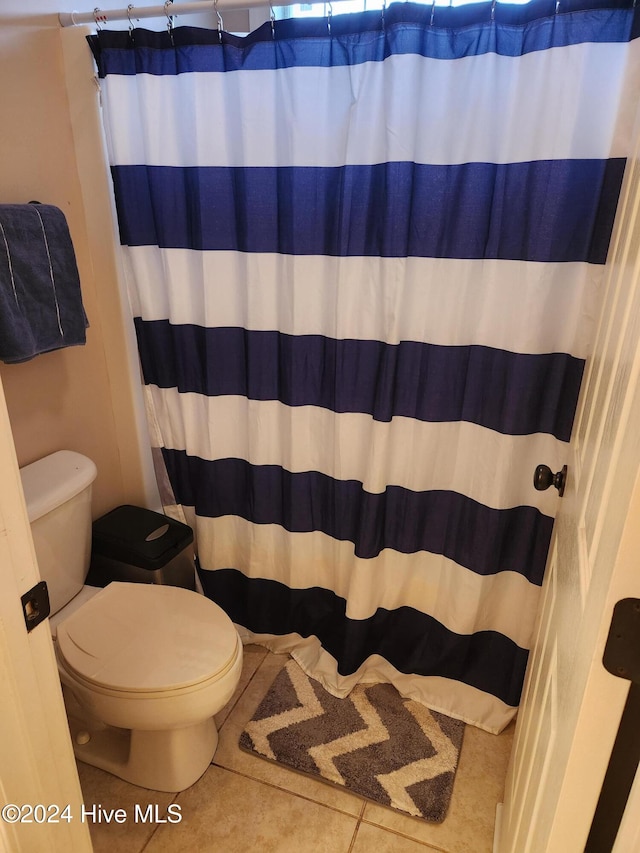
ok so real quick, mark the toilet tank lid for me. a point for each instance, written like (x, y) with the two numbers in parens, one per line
(49, 482)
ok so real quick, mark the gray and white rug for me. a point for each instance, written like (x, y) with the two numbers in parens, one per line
(391, 750)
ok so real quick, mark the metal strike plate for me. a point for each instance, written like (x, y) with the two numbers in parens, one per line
(35, 605)
(622, 650)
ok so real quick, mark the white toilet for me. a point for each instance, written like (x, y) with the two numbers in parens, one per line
(144, 667)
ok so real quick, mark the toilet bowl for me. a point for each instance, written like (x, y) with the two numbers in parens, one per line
(144, 667)
(148, 667)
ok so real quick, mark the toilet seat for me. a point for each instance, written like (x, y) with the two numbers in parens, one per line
(147, 639)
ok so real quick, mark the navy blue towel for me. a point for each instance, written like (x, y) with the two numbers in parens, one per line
(40, 300)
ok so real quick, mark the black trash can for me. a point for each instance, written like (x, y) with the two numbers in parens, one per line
(134, 544)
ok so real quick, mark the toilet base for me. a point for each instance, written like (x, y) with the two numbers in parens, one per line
(157, 760)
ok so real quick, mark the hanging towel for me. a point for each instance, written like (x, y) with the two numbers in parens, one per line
(40, 300)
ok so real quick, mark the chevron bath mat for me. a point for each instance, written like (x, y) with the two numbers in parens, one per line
(391, 750)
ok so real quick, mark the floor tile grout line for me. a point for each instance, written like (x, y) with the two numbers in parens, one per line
(244, 690)
(148, 841)
(360, 819)
(157, 827)
(358, 824)
(354, 836)
(294, 794)
(293, 774)
(427, 844)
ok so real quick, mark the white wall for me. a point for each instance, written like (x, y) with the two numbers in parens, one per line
(87, 398)
(84, 398)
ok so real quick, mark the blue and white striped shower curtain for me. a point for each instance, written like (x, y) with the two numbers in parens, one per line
(364, 266)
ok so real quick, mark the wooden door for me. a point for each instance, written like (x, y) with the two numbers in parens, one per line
(571, 705)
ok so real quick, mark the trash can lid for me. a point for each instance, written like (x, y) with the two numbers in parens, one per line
(140, 537)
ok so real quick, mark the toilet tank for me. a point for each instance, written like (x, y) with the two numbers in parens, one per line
(57, 492)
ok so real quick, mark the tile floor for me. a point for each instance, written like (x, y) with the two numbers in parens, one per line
(244, 804)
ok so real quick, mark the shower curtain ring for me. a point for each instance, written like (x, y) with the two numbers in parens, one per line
(167, 6)
(493, 10)
(433, 11)
(329, 14)
(272, 18)
(129, 11)
(220, 24)
(99, 17)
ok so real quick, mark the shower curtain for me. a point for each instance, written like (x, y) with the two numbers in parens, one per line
(364, 257)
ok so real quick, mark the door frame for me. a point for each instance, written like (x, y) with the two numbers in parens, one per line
(37, 765)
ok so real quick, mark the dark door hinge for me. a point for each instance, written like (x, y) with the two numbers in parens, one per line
(622, 650)
(622, 658)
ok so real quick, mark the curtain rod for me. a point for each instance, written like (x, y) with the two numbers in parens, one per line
(131, 13)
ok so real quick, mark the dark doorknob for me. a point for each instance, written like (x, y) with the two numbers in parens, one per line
(543, 477)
